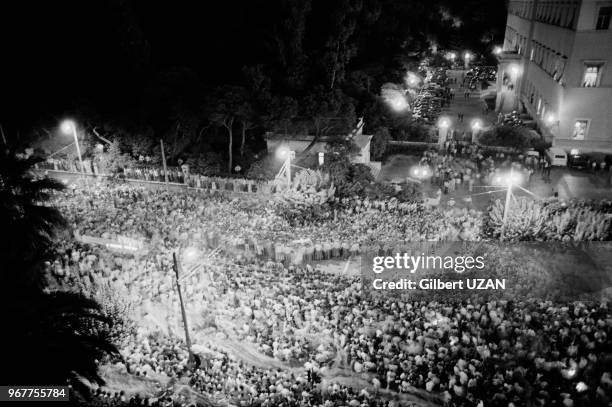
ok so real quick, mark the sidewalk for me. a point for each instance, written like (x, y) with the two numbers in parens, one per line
(472, 109)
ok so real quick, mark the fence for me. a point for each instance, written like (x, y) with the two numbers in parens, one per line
(176, 178)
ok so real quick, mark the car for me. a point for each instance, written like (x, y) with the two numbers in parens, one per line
(577, 160)
(557, 156)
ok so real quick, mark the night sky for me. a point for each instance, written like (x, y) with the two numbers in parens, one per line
(129, 62)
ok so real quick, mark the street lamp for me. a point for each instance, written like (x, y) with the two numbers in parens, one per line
(476, 126)
(509, 180)
(515, 70)
(412, 80)
(550, 119)
(467, 56)
(420, 172)
(69, 127)
(443, 126)
(287, 155)
(497, 50)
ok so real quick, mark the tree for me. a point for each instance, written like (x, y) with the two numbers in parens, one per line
(282, 111)
(223, 113)
(338, 48)
(53, 336)
(379, 142)
(245, 114)
(326, 110)
(33, 226)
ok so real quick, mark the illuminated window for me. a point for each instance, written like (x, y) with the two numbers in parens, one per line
(603, 18)
(592, 73)
(581, 127)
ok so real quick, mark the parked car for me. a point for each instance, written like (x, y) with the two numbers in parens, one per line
(577, 160)
(557, 157)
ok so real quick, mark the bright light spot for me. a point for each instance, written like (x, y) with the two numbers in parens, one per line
(497, 50)
(574, 151)
(550, 119)
(467, 55)
(444, 123)
(190, 255)
(395, 97)
(420, 172)
(282, 152)
(507, 179)
(411, 79)
(581, 386)
(514, 70)
(476, 124)
(67, 126)
(451, 55)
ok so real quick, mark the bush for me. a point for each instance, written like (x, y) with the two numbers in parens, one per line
(543, 221)
(379, 143)
(411, 131)
(264, 169)
(515, 137)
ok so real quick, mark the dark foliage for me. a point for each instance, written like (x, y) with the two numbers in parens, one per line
(50, 337)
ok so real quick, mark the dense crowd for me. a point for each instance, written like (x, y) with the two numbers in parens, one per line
(314, 323)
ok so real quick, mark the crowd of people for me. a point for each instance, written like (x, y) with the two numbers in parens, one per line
(300, 325)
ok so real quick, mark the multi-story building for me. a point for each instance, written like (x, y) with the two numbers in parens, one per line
(556, 65)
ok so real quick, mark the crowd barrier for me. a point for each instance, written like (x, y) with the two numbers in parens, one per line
(176, 178)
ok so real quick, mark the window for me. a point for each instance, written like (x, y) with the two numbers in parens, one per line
(603, 18)
(592, 74)
(581, 127)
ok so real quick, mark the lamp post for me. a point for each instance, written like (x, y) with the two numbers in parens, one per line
(287, 155)
(476, 126)
(443, 126)
(510, 180)
(466, 58)
(69, 127)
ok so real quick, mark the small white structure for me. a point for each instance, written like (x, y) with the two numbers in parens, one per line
(557, 156)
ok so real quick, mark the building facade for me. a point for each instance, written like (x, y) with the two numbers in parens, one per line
(556, 65)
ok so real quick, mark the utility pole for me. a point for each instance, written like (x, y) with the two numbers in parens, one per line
(178, 287)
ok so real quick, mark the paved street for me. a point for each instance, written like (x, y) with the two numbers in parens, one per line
(567, 183)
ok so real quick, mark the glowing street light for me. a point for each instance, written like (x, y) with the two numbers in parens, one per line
(412, 80)
(550, 119)
(285, 154)
(509, 180)
(476, 126)
(444, 123)
(443, 126)
(497, 50)
(514, 70)
(68, 127)
(420, 172)
(466, 57)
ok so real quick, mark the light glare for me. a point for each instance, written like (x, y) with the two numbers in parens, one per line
(67, 126)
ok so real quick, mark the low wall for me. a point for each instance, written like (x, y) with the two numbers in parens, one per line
(207, 184)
